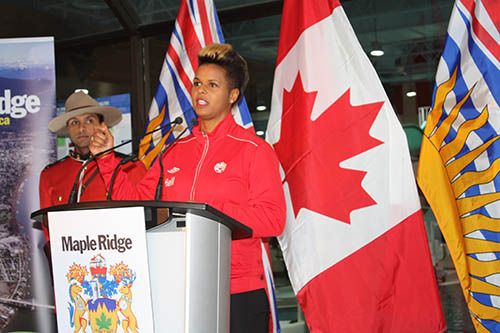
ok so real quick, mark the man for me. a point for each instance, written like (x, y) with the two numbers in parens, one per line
(83, 116)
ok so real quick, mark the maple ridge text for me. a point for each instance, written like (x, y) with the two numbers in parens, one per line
(103, 242)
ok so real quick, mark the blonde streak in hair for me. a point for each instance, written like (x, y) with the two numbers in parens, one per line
(215, 51)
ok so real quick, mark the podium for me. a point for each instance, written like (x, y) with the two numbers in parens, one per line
(155, 266)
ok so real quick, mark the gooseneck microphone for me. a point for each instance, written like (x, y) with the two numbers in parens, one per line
(109, 196)
(159, 185)
(73, 196)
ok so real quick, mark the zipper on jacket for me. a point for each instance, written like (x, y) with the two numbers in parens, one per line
(198, 167)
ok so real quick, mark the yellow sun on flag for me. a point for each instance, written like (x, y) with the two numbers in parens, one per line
(471, 236)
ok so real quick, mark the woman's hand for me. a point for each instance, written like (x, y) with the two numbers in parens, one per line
(101, 140)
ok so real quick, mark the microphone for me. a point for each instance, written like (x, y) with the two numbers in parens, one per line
(177, 121)
(159, 185)
(73, 196)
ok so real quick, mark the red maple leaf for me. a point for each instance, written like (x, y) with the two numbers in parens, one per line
(311, 152)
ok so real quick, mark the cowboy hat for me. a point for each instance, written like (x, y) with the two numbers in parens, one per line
(80, 103)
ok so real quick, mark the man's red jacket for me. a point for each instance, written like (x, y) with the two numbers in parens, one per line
(56, 181)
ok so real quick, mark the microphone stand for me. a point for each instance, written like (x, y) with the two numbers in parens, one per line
(126, 160)
(159, 185)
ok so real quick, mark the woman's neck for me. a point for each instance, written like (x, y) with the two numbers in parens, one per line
(208, 125)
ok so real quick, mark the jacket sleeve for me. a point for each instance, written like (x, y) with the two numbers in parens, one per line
(265, 212)
(135, 171)
(124, 187)
(44, 191)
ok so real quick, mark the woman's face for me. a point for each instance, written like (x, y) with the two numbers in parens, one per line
(212, 95)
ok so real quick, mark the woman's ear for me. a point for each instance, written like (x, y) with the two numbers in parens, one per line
(233, 95)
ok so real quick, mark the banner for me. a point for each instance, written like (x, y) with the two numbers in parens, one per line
(101, 273)
(27, 103)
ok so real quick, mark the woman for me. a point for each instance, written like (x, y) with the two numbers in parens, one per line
(226, 166)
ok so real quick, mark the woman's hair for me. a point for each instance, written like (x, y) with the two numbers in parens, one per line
(226, 57)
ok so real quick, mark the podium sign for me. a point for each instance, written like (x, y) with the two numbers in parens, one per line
(100, 266)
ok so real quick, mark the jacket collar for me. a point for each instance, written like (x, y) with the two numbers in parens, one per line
(78, 157)
(223, 128)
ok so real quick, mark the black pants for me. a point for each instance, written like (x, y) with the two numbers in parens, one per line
(250, 312)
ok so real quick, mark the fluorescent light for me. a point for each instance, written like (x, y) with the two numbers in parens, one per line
(261, 108)
(85, 91)
(376, 49)
(377, 53)
(260, 132)
(411, 93)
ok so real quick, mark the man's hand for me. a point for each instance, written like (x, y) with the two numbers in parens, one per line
(101, 140)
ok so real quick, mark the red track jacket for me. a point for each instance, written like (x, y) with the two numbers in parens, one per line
(231, 169)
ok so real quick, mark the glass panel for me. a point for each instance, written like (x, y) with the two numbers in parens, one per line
(411, 35)
(64, 19)
(257, 41)
(102, 70)
(153, 11)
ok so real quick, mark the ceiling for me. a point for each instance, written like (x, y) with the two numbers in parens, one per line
(93, 39)
(411, 32)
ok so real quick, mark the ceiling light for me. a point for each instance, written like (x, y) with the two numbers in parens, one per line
(261, 108)
(260, 132)
(85, 91)
(411, 93)
(376, 49)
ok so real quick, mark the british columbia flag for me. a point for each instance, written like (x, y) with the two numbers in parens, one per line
(459, 169)
(196, 26)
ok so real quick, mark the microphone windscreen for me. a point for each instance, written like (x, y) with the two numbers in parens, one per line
(178, 120)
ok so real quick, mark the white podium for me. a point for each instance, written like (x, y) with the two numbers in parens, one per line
(184, 249)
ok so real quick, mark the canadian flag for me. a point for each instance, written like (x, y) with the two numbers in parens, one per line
(355, 244)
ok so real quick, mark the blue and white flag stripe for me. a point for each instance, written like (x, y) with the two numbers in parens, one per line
(477, 66)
